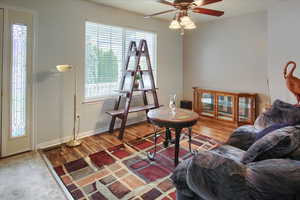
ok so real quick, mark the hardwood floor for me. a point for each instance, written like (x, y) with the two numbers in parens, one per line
(62, 154)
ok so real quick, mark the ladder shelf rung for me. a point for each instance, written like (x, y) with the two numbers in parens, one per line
(137, 90)
(131, 110)
(140, 70)
(136, 53)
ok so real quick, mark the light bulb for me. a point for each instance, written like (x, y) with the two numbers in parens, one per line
(174, 25)
(186, 20)
(182, 32)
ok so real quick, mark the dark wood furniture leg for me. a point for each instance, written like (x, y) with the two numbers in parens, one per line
(168, 138)
(190, 139)
(151, 155)
(177, 140)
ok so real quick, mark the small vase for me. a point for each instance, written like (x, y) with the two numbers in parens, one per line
(172, 103)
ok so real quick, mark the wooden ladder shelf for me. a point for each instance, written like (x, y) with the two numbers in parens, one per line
(129, 76)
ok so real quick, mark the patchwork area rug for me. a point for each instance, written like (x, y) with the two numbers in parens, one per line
(125, 172)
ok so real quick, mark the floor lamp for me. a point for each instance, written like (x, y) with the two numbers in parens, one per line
(67, 68)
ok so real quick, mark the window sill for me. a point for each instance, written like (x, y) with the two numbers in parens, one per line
(98, 100)
(102, 99)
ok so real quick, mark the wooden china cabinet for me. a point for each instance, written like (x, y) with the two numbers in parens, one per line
(231, 108)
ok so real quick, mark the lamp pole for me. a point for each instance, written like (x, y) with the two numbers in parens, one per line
(75, 142)
(65, 68)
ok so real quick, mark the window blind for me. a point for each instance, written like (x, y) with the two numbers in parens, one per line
(106, 49)
(131, 35)
(103, 59)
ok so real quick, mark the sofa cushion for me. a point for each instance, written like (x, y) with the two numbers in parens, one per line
(278, 144)
(295, 155)
(212, 176)
(243, 137)
(275, 179)
(280, 112)
(179, 178)
(230, 152)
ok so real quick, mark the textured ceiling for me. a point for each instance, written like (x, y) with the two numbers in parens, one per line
(231, 7)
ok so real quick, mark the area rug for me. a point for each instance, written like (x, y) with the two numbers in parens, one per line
(125, 172)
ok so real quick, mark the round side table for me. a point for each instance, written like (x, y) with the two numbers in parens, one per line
(176, 119)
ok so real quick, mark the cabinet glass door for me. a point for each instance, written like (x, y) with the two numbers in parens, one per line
(225, 107)
(207, 104)
(245, 109)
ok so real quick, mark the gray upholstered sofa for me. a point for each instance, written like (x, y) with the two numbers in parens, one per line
(258, 162)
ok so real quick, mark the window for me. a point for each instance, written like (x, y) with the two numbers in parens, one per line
(106, 50)
(18, 80)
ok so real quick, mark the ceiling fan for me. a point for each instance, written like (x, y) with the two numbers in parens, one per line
(182, 8)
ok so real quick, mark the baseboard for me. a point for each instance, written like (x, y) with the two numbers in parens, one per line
(59, 141)
(48, 144)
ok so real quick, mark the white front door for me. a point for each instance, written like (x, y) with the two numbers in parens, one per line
(17, 82)
(1, 69)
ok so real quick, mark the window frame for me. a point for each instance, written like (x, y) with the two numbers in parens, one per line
(124, 54)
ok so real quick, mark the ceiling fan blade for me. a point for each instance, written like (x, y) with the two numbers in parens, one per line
(208, 12)
(165, 2)
(206, 2)
(159, 13)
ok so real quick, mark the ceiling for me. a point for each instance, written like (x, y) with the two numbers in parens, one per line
(231, 7)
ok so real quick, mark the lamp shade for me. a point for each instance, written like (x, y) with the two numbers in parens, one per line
(199, 2)
(64, 68)
(185, 21)
(174, 25)
(190, 26)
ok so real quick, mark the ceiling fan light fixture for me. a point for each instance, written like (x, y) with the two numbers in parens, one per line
(199, 2)
(185, 21)
(190, 26)
(181, 20)
(174, 25)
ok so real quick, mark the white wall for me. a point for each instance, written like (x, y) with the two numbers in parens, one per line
(61, 40)
(228, 54)
(284, 45)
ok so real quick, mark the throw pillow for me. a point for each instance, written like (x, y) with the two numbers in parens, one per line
(277, 144)
(280, 112)
(270, 129)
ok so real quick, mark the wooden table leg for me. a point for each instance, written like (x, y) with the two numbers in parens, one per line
(177, 140)
(168, 138)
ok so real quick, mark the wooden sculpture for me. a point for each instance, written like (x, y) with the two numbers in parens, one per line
(292, 82)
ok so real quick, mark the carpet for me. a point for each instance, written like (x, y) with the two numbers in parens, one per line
(124, 171)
